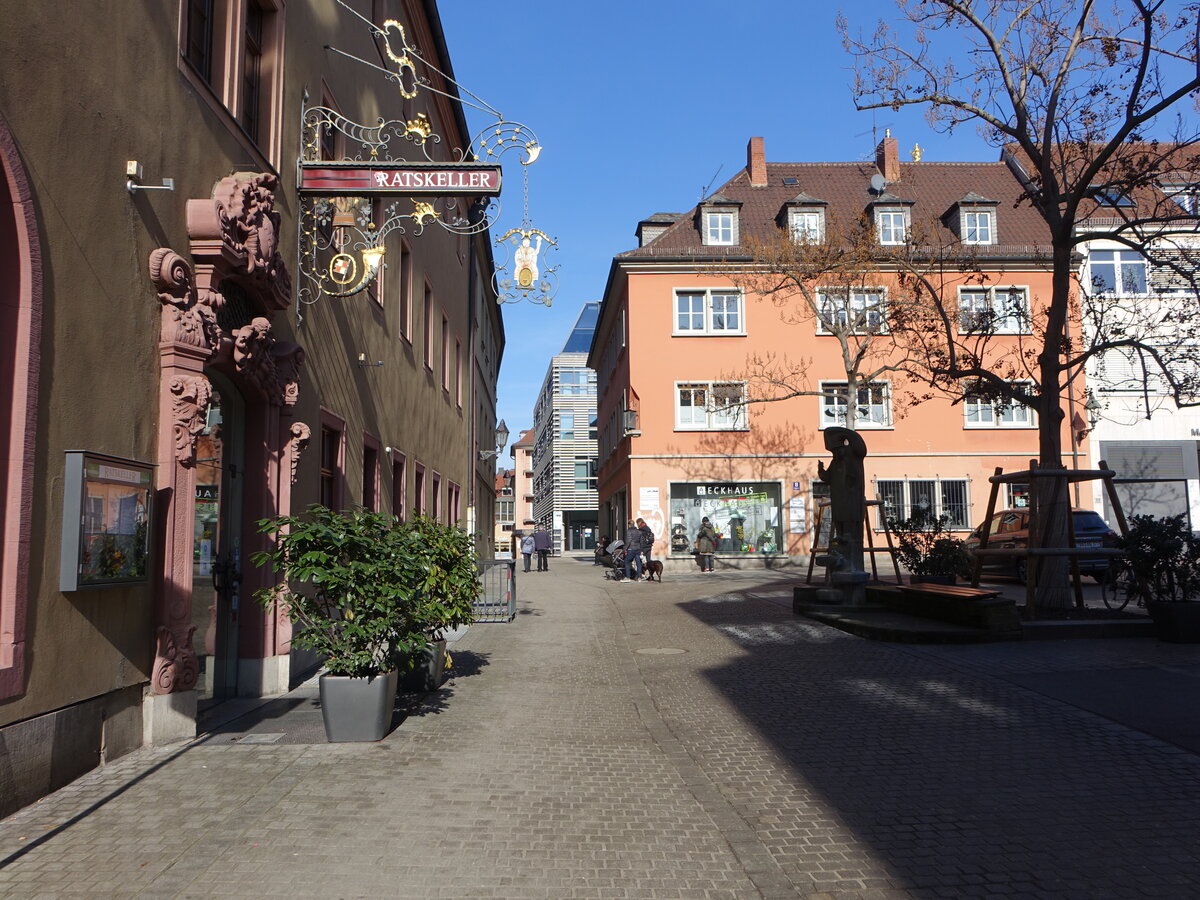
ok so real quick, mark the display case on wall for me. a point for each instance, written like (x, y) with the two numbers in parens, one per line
(106, 521)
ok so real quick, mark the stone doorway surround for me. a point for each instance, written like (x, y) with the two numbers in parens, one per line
(233, 239)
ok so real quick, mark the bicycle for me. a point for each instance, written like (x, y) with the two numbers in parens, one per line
(1120, 586)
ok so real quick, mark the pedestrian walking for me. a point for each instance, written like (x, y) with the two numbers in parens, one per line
(633, 551)
(542, 544)
(706, 544)
(527, 549)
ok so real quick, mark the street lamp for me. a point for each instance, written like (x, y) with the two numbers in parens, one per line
(501, 440)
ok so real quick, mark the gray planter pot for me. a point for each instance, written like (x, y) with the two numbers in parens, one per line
(428, 671)
(357, 709)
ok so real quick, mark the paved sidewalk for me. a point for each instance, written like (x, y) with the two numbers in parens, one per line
(692, 739)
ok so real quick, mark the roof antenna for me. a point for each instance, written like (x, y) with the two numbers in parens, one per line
(704, 190)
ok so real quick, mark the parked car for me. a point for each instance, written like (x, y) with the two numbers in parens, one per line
(1009, 529)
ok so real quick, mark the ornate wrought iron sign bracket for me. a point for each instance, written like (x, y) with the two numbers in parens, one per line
(351, 201)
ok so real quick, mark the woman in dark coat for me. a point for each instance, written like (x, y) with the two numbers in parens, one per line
(706, 545)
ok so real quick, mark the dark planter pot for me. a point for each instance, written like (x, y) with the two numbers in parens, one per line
(1178, 623)
(931, 579)
(428, 671)
(357, 709)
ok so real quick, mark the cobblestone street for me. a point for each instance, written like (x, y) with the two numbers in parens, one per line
(690, 739)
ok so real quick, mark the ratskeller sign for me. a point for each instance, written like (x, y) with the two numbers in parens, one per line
(401, 179)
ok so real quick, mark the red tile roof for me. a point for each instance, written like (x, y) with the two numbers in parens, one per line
(928, 189)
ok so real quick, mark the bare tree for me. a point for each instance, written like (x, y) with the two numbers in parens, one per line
(1094, 106)
(836, 283)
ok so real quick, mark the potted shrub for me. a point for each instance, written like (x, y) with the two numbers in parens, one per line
(927, 548)
(1164, 557)
(444, 599)
(363, 590)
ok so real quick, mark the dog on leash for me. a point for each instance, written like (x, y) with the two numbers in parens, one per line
(653, 568)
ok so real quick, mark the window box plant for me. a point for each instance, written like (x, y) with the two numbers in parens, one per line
(927, 548)
(369, 594)
(1164, 556)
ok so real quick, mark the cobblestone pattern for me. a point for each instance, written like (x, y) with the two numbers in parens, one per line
(773, 758)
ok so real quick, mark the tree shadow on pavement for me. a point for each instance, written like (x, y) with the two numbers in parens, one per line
(936, 778)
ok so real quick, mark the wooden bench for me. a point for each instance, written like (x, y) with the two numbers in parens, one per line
(982, 608)
(961, 591)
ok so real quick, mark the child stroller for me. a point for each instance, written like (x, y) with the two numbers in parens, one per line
(614, 563)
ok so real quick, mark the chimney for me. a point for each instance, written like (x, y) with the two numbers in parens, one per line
(887, 157)
(756, 162)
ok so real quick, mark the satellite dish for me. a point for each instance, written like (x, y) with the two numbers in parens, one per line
(878, 183)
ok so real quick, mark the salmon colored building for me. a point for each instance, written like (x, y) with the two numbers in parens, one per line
(676, 443)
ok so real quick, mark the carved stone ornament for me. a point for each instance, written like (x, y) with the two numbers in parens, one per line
(273, 366)
(297, 445)
(184, 320)
(191, 395)
(175, 665)
(249, 228)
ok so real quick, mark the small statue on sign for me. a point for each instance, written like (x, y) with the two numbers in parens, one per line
(525, 259)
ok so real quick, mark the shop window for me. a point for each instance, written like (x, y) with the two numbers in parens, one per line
(747, 516)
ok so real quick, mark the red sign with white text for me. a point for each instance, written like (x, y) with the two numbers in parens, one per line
(404, 179)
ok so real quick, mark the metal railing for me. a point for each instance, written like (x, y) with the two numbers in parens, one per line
(498, 600)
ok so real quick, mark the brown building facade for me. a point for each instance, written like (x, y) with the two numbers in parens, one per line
(171, 329)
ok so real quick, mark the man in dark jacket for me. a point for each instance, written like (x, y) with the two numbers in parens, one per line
(633, 551)
(541, 545)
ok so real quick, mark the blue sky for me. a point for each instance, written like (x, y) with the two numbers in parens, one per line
(639, 107)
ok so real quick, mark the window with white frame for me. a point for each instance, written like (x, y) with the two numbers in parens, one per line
(990, 310)
(709, 312)
(862, 310)
(1186, 195)
(874, 404)
(710, 405)
(984, 412)
(720, 227)
(806, 225)
(1117, 272)
(900, 497)
(978, 226)
(891, 225)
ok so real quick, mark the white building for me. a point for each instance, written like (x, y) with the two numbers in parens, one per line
(1136, 426)
(564, 444)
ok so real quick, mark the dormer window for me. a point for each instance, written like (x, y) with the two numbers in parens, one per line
(1186, 196)
(718, 228)
(718, 221)
(973, 219)
(1110, 196)
(807, 225)
(978, 226)
(891, 225)
(804, 218)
